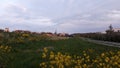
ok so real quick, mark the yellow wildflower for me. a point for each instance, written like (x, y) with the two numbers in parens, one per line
(45, 50)
(84, 66)
(102, 55)
(43, 55)
(106, 59)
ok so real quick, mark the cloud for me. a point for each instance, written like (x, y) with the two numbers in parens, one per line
(66, 15)
(17, 16)
(114, 15)
(17, 8)
(98, 21)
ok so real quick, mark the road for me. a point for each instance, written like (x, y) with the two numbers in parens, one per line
(107, 43)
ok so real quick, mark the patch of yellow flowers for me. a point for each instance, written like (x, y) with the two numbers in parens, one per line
(5, 48)
(25, 35)
(59, 60)
(4, 58)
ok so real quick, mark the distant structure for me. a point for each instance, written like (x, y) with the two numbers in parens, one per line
(116, 29)
(112, 30)
(63, 34)
(6, 30)
(55, 32)
(22, 31)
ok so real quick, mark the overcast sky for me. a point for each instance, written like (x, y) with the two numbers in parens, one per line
(71, 16)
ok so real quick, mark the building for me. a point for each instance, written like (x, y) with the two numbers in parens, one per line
(6, 30)
(63, 34)
(22, 31)
(116, 29)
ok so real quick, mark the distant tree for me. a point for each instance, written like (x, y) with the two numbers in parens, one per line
(110, 30)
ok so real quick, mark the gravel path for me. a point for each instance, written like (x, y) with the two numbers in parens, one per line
(114, 44)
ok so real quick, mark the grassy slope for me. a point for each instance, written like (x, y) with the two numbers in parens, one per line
(28, 55)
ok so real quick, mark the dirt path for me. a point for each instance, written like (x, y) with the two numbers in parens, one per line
(114, 44)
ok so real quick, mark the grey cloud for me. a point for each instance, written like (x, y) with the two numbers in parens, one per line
(89, 22)
(19, 17)
(66, 15)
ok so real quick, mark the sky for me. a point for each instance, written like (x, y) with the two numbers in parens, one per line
(69, 16)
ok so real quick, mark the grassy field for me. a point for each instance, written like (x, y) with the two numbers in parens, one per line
(28, 55)
(26, 51)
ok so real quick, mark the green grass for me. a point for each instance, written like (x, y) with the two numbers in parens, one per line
(27, 55)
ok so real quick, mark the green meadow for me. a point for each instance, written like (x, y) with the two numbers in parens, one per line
(26, 50)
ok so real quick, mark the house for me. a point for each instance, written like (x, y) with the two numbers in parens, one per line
(47, 34)
(63, 34)
(18, 31)
(22, 31)
(6, 30)
(116, 29)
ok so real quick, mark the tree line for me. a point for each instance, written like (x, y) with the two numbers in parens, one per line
(110, 35)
